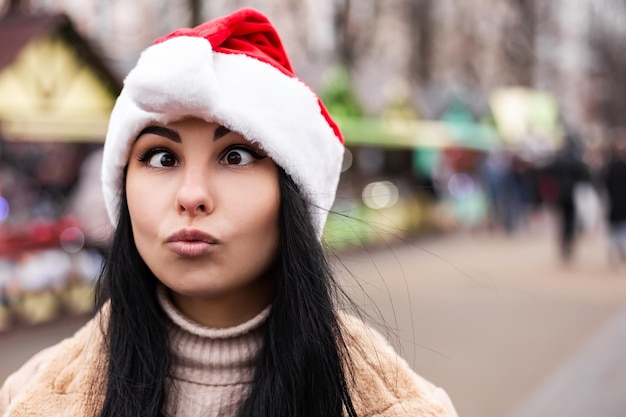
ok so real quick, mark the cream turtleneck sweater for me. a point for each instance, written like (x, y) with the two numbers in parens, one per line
(211, 369)
(211, 373)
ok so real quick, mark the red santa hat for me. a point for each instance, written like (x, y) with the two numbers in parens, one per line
(234, 71)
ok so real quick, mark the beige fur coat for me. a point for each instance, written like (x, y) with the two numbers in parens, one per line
(61, 380)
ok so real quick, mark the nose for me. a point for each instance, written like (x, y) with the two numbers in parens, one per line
(194, 196)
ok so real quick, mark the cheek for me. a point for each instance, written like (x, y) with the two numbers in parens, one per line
(142, 206)
(256, 208)
(263, 243)
(269, 222)
(134, 197)
(268, 207)
(262, 213)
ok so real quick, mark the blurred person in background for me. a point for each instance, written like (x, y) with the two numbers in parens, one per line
(494, 171)
(568, 171)
(615, 183)
(216, 299)
(508, 183)
(517, 191)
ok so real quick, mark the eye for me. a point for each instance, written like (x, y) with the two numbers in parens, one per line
(240, 156)
(159, 158)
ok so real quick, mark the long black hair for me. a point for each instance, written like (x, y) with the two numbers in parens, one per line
(303, 367)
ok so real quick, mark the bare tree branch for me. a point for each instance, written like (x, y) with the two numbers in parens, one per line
(519, 43)
(609, 73)
(354, 35)
(195, 8)
(421, 26)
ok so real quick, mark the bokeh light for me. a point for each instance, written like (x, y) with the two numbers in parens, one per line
(461, 186)
(347, 161)
(72, 239)
(380, 194)
(4, 209)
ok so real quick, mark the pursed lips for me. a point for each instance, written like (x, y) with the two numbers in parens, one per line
(191, 243)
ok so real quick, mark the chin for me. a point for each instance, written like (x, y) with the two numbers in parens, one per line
(200, 290)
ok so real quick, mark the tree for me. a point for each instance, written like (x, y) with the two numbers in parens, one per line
(607, 40)
(17, 6)
(419, 14)
(518, 43)
(354, 31)
(195, 9)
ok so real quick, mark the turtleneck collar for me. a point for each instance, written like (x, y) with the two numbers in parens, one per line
(212, 356)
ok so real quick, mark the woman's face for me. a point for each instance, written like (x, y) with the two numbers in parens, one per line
(204, 207)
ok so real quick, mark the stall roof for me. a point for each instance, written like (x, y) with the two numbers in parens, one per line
(17, 30)
(54, 86)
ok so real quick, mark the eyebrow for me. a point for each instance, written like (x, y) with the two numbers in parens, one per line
(161, 131)
(171, 134)
(220, 132)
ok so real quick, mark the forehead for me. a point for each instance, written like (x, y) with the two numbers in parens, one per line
(189, 123)
(187, 127)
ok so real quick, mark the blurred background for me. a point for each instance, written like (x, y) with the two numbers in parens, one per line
(480, 220)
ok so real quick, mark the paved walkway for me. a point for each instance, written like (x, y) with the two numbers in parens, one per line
(497, 321)
(490, 317)
(591, 383)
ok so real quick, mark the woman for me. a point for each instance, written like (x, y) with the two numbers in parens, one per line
(219, 169)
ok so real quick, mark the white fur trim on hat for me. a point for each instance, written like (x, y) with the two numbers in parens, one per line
(184, 77)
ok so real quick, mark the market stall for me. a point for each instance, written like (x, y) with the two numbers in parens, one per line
(46, 270)
(56, 95)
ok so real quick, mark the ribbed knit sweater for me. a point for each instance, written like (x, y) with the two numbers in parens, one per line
(211, 369)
